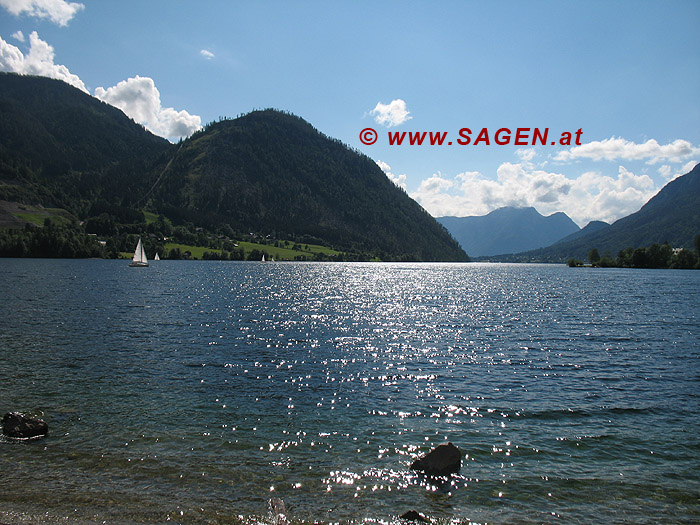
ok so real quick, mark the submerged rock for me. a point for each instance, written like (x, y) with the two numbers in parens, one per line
(443, 460)
(16, 425)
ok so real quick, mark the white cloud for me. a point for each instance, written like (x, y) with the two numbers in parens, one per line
(39, 61)
(18, 36)
(399, 180)
(384, 166)
(526, 154)
(591, 196)
(206, 54)
(665, 171)
(392, 114)
(435, 184)
(139, 98)
(669, 173)
(621, 149)
(57, 11)
(687, 168)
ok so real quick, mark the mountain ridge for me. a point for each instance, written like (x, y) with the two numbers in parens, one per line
(60, 144)
(267, 172)
(335, 189)
(671, 216)
(508, 230)
(591, 227)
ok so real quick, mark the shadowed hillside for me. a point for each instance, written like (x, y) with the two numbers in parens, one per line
(267, 174)
(272, 172)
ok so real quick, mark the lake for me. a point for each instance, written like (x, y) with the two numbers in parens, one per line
(195, 392)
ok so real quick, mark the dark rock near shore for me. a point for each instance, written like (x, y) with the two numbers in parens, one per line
(16, 425)
(412, 515)
(443, 460)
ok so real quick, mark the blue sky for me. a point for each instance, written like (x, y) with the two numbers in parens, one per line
(626, 73)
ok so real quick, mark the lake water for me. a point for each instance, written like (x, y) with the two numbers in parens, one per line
(195, 392)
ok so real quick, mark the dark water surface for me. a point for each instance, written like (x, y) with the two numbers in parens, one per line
(195, 392)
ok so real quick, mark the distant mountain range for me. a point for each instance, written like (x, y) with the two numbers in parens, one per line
(523, 235)
(672, 216)
(267, 172)
(508, 230)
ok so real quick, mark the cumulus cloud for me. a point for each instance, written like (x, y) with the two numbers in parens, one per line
(687, 167)
(18, 35)
(139, 98)
(435, 184)
(206, 54)
(591, 196)
(39, 61)
(392, 114)
(526, 154)
(669, 173)
(399, 180)
(617, 148)
(57, 11)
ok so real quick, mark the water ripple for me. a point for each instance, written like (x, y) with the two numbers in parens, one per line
(195, 392)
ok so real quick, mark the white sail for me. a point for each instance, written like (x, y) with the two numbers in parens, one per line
(156, 258)
(263, 258)
(139, 258)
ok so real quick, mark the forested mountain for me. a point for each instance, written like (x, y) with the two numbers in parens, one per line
(672, 216)
(61, 147)
(267, 173)
(272, 172)
(508, 230)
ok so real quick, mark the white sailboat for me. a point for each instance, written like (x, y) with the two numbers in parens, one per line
(156, 258)
(139, 259)
(263, 258)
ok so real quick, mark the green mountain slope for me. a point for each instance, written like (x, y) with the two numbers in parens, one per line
(268, 173)
(61, 147)
(272, 172)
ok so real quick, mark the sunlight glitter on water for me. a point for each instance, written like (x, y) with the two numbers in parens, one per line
(327, 381)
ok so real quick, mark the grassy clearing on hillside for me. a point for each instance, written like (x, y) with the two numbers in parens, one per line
(278, 253)
(37, 215)
(150, 217)
(286, 253)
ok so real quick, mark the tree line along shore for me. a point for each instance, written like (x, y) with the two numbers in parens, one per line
(58, 237)
(659, 256)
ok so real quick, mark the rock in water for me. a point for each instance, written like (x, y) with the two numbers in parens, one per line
(412, 515)
(16, 425)
(441, 461)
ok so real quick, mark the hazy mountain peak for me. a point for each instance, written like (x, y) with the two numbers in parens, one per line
(508, 230)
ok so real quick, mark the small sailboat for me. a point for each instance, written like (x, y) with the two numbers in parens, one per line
(263, 258)
(139, 259)
(156, 258)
